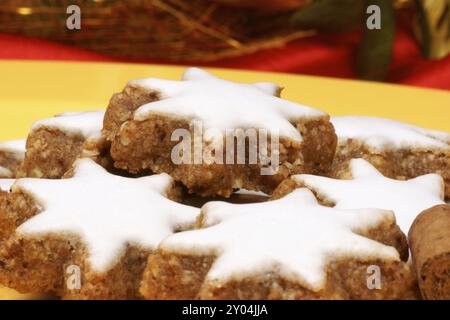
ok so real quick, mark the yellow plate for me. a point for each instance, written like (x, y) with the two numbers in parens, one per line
(34, 90)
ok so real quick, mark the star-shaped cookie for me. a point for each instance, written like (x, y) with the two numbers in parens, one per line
(370, 189)
(107, 212)
(197, 128)
(293, 236)
(222, 105)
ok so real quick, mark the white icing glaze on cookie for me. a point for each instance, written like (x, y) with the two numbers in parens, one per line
(89, 124)
(293, 236)
(380, 133)
(105, 211)
(15, 147)
(222, 104)
(5, 184)
(5, 172)
(192, 74)
(370, 189)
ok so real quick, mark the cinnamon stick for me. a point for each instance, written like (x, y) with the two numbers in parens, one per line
(429, 239)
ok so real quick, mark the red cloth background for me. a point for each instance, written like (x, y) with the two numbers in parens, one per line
(331, 56)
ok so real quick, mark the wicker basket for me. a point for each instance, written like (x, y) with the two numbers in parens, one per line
(195, 30)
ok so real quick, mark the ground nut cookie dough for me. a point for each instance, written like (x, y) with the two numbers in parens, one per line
(290, 248)
(429, 239)
(368, 188)
(397, 149)
(54, 144)
(90, 235)
(10, 219)
(188, 129)
(15, 208)
(11, 155)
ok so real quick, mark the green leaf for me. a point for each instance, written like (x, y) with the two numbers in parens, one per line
(375, 51)
(330, 15)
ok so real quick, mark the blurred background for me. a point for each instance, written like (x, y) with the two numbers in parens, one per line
(314, 37)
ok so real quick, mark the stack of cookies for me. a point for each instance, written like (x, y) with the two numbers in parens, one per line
(209, 189)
